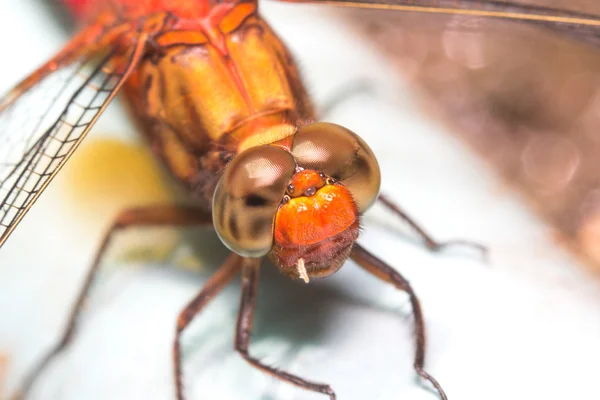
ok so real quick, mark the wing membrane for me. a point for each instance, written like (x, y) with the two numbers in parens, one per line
(581, 26)
(45, 118)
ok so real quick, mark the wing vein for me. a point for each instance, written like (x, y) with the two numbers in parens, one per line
(69, 114)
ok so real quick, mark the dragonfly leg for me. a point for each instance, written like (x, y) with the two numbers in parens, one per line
(428, 240)
(212, 287)
(386, 273)
(169, 215)
(244, 329)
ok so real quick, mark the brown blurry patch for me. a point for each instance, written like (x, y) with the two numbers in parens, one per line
(3, 369)
(525, 99)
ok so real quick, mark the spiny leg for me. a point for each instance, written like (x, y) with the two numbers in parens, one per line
(244, 329)
(169, 215)
(430, 243)
(386, 273)
(213, 286)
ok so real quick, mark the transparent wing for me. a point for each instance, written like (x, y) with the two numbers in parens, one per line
(43, 120)
(582, 26)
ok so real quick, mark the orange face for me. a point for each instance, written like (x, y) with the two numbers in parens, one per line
(317, 223)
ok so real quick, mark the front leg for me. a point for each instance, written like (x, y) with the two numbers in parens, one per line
(250, 272)
(216, 283)
(386, 273)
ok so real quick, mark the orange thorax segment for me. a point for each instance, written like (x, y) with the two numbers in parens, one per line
(196, 101)
(307, 220)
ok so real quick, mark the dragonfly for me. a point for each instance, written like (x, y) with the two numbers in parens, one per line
(221, 102)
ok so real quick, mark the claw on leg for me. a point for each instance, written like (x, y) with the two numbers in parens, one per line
(428, 240)
(386, 273)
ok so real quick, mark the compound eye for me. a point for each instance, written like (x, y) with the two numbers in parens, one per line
(342, 155)
(247, 198)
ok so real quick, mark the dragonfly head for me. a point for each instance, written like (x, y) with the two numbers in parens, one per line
(300, 205)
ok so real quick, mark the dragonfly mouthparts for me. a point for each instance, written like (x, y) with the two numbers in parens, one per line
(302, 270)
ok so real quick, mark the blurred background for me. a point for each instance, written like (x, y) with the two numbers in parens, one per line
(523, 98)
(483, 130)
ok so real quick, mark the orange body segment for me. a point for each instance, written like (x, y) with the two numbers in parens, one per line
(216, 84)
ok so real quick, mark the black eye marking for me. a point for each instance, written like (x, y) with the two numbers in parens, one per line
(234, 228)
(260, 226)
(254, 200)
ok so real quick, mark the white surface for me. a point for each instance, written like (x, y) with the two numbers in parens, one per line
(526, 326)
